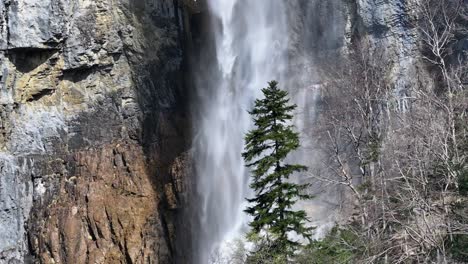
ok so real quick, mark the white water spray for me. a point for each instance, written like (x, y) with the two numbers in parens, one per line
(251, 42)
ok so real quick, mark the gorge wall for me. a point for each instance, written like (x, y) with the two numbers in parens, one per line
(93, 129)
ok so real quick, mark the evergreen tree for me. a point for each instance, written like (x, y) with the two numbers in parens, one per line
(267, 146)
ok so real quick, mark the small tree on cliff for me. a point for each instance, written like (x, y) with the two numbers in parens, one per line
(267, 146)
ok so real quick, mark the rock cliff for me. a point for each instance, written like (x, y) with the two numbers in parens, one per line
(92, 119)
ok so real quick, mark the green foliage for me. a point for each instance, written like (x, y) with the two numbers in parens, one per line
(269, 252)
(364, 186)
(458, 243)
(463, 182)
(267, 146)
(340, 246)
(459, 248)
(374, 146)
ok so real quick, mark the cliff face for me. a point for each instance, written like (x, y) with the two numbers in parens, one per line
(319, 28)
(390, 26)
(92, 117)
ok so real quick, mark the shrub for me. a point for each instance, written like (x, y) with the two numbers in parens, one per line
(339, 246)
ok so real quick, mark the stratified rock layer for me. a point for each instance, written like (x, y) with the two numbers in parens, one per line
(92, 117)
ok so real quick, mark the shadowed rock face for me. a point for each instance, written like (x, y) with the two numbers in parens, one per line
(92, 119)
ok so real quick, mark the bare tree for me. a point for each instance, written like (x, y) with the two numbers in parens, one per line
(402, 165)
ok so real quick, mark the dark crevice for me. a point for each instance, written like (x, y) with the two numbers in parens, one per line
(165, 228)
(29, 256)
(40, 94)
(128, 258)
(28, 59)
(6, 16)
(79, 74)
(90, 230)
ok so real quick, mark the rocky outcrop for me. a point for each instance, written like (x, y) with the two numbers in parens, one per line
(320, 28)
(389, 26)
(92, 118)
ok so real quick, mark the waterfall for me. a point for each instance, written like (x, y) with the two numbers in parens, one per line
(250, 41)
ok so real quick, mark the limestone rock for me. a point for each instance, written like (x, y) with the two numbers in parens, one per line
(390, 25)
(35, 23)
(92, 118)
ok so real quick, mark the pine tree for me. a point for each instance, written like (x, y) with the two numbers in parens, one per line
(266, 149)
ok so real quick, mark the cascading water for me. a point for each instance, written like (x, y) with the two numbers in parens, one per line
(252, 42)
(251, 50)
